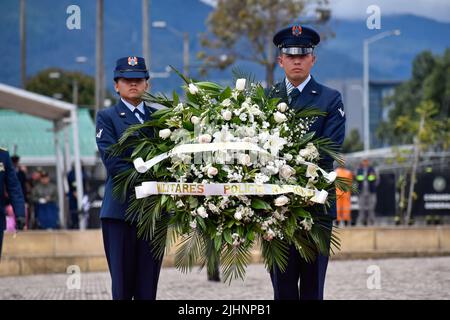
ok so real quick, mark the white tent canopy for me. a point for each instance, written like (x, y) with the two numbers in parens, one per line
(51, 109)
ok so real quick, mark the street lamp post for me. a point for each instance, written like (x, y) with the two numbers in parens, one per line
(366, 82)
(76, 148)
(185, 36)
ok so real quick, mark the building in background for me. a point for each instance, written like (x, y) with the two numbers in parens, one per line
(352, 97)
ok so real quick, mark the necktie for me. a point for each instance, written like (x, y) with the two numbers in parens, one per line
(295, 97)
(139, 115)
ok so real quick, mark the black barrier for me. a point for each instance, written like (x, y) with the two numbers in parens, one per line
(433, 193)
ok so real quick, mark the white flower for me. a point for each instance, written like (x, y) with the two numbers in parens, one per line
(212, 171)
(245, 105)
(212, 207)
(288, 156)
(178, 108)
(240, 84)
(250, 132)
(307, 224)
(279, 117)
(281, 201)
(223, 136)
(238, 214)
(243, 117)
(193, 224)
(282, 107)
(255, 110)
(286, 171)
(244, 159)
(310, 152)
(226, 102)
(311, 171)
(204, 138)
(269, 235)
(275, 143)
(193, 88)
(195, 120)
(201, 211)
(179, 204)
(226, 115)
(261, 178)
(165, 133)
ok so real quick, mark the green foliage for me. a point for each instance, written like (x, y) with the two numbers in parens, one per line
(430, 83)
(43, 84)
(352, 142)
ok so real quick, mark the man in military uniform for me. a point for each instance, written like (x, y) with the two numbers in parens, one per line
(10, 183)
(133, 267)
(300, 90)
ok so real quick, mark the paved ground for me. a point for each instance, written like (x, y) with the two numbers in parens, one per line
(408, 278)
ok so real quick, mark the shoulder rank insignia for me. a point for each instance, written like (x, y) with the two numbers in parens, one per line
(99, 133)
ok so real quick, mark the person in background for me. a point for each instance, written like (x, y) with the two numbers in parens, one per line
(75, 214)
(10, 185)
(343, 198)
(367, 180)
(21, 172)
(44, 197)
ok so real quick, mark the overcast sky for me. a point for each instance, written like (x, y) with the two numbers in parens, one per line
(434, 9)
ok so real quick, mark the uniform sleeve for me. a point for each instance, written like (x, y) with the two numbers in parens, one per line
(334, 127)
(14, 189)
(106, 137)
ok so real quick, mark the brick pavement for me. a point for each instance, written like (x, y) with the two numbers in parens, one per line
(407, 278)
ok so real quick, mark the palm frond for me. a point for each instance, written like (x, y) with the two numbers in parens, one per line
(329, 148)
(190, 250)
(275, 253)
(234, 261)
(238, 73)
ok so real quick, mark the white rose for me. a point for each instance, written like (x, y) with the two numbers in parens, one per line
(310, 152)
(286, 171)
(204, 138)
(240, 84)
(281, 201)
(282, 107)
(201, 211)
(226, 114)
(245, 159)
(193, 88)
(212, 171)
(238, 215)
(279, 117)
(165, 133)
(195, 120)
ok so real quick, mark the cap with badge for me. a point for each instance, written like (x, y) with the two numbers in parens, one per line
(298, 40)
(131, 68)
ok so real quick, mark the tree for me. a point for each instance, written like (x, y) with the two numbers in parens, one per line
(427, 131)
(352, 142)
(58, 81)
(430, 82)
(243, 29)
